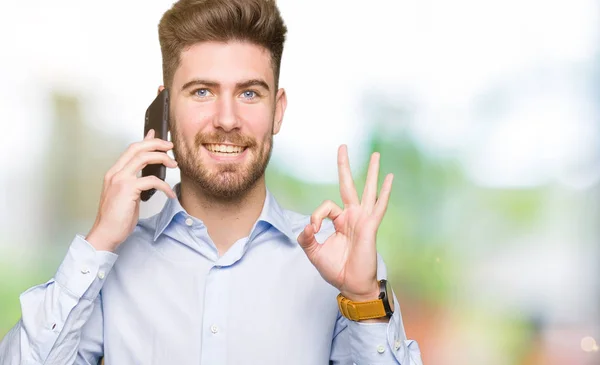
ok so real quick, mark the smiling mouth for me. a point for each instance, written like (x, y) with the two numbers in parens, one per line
(225, 149)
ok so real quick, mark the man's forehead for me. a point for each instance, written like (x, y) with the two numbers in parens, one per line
(224, 63)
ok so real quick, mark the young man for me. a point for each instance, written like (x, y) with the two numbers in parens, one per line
(223, 274)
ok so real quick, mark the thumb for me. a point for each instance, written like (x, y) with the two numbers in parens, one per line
(307, 240)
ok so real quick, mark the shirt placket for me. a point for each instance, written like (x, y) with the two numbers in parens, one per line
(214, 323)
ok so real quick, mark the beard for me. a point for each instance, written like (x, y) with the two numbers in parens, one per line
(227, 181)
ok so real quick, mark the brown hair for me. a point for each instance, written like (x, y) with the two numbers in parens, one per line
(192, 21)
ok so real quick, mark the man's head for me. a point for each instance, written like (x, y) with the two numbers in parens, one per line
(221, 61)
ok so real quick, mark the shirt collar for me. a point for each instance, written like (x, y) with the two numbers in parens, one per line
(276, 216)
(272, 213)
(170, 210)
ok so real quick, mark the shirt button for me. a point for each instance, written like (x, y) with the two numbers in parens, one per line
(397, 345)
(189, 222)
(380, 349)
(85, 270)
(101, 275)
(214, 329)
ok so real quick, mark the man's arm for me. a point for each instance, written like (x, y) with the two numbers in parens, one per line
(62, 317)
(374, 343)
(53, 314)
(348, 260)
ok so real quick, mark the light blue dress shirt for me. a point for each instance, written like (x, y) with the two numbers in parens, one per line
(167, 297)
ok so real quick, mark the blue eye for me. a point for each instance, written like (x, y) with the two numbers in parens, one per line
(202, 93)
(249, 94)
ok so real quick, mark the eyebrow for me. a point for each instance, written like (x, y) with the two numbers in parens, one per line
(199, 82)
(239, 85)
(253, 82)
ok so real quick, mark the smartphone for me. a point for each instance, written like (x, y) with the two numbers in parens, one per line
(157, 118)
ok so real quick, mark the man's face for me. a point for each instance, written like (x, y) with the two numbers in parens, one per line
(224, 113)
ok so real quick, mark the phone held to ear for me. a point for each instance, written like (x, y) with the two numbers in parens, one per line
(157, 118)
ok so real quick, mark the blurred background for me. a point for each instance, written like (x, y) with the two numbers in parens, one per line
(487, 112)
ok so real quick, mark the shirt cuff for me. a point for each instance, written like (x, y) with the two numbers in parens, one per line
(84, 269)
(369, 343)
(383, 343)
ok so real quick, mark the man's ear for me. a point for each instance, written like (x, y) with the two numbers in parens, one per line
(280, 105)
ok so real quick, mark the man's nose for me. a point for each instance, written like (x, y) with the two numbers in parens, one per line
(226, 117)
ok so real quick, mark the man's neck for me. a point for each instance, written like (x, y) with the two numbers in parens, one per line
(226, 221)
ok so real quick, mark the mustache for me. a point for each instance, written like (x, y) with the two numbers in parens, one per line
(224, 137)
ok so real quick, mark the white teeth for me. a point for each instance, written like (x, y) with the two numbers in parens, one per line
(221, 148)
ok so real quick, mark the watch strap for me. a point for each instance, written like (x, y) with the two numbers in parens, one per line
(357, 311)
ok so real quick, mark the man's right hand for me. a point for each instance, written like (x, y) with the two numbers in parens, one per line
(118, 212)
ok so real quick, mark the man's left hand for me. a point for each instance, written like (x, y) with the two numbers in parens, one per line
(348, 258)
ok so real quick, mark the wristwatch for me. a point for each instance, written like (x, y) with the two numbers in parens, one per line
(379, 308)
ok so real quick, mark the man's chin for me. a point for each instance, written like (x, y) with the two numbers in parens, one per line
(226, 191)
(225, 182)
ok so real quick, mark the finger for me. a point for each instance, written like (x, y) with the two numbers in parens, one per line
(384, 197)
(370, 192)
(153, 182)
(347, 189)
(150, 134)
(327, 209)
(154, 144)
(308, 241)
(143, 159)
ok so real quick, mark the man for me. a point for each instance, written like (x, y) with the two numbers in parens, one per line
(223, 274)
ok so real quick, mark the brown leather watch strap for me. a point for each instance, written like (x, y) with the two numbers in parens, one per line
(357, 311)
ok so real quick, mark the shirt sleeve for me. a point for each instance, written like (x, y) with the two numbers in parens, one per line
(359, 343)
(55, 313)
